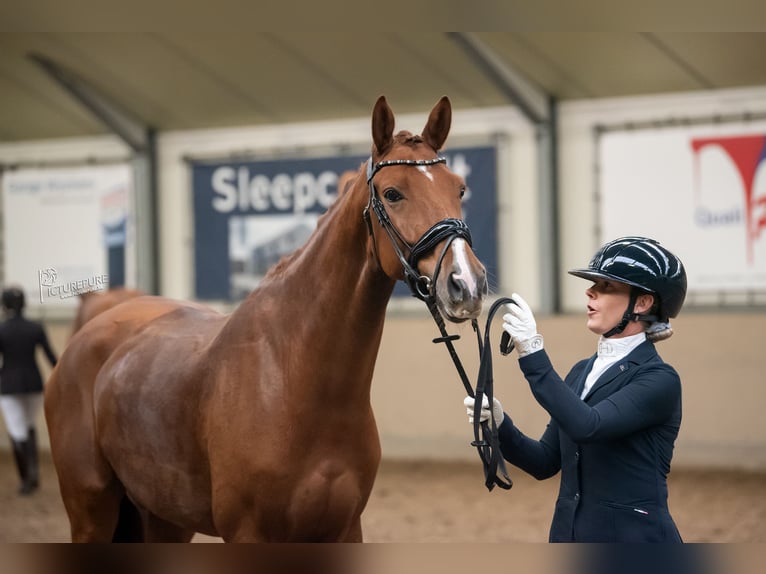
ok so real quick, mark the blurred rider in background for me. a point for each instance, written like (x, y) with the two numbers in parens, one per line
(21, 385)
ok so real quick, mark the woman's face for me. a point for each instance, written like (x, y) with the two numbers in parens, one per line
(607, 302)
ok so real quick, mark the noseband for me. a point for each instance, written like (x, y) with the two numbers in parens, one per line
(449, 229)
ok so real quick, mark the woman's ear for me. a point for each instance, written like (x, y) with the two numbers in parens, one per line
(644, 303)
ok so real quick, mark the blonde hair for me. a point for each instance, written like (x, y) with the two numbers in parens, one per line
(659, 331)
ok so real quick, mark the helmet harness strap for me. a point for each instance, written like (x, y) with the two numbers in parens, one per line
(630, 315)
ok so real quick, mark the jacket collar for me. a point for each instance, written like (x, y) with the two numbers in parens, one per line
(641, 354)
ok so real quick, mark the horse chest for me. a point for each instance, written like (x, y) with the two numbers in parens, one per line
(321, 503)
(324, 504)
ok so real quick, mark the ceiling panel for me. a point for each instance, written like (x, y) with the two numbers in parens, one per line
(178, 80)
(538, 58)
(31, 105)
(601, 64)
(724, 59)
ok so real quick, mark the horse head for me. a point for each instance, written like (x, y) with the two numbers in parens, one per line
(417, 203)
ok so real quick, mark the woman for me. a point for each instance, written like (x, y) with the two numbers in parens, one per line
(21, 386)
(616, 415)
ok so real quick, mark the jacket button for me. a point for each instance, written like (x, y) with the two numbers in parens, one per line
(577, 455)
(577, 496)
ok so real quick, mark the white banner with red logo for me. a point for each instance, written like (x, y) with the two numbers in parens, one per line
(700, 190)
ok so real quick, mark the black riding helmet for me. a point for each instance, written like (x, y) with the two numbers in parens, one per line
(646, 266)
(13, 299)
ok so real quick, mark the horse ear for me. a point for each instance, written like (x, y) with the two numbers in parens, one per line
(439, 121)
(382, 126)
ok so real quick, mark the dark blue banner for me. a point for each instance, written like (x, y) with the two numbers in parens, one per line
(249, 214)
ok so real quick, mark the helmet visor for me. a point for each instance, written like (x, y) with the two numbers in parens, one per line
(592, 275)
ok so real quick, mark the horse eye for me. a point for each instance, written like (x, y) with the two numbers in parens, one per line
(462, 192)
(392, 196)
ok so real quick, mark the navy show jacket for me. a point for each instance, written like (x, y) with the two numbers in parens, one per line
(613, 448)
(19, 339)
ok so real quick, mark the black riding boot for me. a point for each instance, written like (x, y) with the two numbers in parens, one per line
(33, 465)
(20, 450)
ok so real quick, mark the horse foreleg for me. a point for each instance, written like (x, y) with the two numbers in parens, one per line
(92, 495)
(354, 532)
(93, 513)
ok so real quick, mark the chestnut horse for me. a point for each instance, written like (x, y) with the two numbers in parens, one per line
(167, 418)
(94, 302)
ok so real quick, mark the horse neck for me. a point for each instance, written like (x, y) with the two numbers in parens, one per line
(334, 266)
(327, 301)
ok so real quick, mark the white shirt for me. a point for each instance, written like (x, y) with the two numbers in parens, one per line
(609, 352)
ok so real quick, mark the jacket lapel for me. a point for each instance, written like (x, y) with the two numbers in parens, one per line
(641, 354)
(580, 383)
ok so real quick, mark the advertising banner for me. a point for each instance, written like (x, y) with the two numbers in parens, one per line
(66, 230)
(249, 214)
(700, 190)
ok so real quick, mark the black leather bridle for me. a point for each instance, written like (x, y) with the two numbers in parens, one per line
(486, 438)
(450, 229)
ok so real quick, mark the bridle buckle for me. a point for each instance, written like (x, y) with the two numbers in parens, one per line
(421, 287)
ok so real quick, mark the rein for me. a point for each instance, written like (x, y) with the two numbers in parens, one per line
(485, 433)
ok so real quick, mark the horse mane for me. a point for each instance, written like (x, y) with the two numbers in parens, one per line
(345, 183)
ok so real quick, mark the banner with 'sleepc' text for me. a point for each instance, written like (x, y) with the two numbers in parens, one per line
(66, 230)
(700, 190)
(249, 214)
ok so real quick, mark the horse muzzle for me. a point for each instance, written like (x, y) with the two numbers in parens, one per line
(460, 284)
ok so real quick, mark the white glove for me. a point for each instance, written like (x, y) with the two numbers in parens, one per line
(520, 324)
(497, 410)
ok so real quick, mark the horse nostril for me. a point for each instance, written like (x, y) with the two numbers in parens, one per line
(460, 291)
(457, 287)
